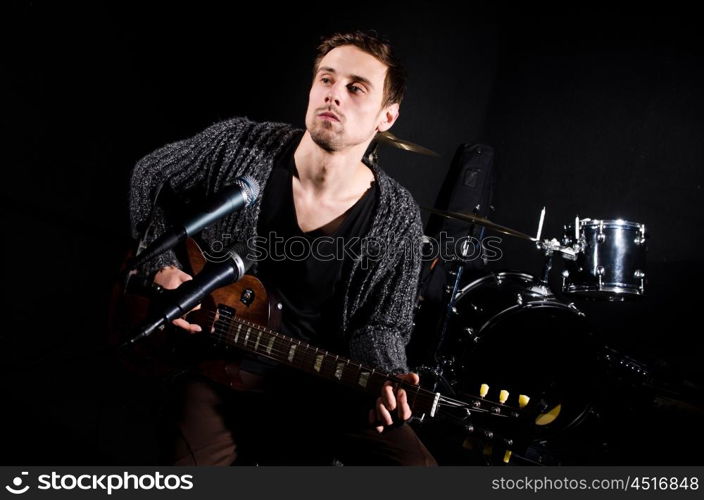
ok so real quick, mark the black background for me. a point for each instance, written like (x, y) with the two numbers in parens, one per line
(589, 115)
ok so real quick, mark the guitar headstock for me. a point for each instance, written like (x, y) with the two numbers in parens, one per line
(500, 424)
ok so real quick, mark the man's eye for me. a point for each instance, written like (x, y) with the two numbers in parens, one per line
(325, 79)
(355, 89)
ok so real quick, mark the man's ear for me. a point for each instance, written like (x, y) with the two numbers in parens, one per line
(388, 117)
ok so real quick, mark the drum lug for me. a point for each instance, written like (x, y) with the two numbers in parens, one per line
(601, 237)
(572, 306)
(470, 335)
(640, 239)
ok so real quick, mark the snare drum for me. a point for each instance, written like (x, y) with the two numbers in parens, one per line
(611, 259)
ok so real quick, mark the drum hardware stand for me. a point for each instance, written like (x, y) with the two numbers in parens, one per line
(444, 363)
(550, 247)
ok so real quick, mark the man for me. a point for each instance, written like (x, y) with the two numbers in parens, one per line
(315, 184)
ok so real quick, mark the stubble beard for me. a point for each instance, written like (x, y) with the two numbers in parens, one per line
(326, 135)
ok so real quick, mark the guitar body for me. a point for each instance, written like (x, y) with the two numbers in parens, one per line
(173, 350)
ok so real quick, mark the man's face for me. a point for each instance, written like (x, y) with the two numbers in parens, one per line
(349, 84)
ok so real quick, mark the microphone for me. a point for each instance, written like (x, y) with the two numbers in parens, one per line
(176, 303)
(242, 194)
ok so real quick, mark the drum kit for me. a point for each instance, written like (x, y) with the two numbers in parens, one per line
(506, 333)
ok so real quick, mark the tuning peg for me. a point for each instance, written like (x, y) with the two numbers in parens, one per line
(503, 396)
(549, 417)
(523, 400)
(507, 456)
(483, 390)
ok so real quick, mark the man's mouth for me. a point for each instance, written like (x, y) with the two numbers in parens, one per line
(329, 116)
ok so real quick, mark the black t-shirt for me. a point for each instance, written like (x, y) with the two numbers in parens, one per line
(305, 269)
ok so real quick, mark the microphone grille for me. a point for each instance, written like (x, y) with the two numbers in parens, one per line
(250, 187)
(240, 255)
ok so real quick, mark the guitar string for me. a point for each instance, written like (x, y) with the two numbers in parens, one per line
(224, 333)
(308, 356)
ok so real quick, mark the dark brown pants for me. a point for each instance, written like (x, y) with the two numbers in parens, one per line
(207, 424)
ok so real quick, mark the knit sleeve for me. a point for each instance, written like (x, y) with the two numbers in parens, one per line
(384, 325)
(180, 166)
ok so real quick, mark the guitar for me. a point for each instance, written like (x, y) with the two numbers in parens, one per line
(244, 316)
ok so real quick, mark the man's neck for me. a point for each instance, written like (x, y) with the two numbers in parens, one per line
(328, 174)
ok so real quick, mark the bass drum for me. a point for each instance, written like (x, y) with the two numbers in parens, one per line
(512, 334)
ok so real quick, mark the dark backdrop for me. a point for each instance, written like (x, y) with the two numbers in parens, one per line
(601, 121)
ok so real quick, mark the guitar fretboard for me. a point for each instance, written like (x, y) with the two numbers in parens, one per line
(236, 332)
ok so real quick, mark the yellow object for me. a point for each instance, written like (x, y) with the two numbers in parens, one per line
(507, 456)
(503, 396)
(549, 417)
(483, 390)
(523, 400)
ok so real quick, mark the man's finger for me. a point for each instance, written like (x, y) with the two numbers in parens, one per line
(182, 323)
(373, 420)
(383, 413)
(404, 411)
(387, 394)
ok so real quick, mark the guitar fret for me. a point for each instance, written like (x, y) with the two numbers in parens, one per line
(328, 365)
(246, 336)
(259, 336)
(291, 353)
(239, 328)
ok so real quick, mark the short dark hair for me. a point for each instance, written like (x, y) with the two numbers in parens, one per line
(371, 43)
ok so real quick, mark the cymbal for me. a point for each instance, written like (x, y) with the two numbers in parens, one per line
(391, 140)
(481, 221)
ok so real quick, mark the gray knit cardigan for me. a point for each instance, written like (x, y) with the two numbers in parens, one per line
(379, 291)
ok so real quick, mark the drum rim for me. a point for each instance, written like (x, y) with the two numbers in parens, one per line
(498, 276)
(543, 301)
(608, 289)
(610, 223)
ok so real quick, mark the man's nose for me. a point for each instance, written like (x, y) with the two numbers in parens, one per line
(333, 96)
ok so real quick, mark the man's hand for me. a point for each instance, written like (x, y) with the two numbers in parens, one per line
(390, 401)
(172, 277)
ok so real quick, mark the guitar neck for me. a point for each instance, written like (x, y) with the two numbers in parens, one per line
(256, 339)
